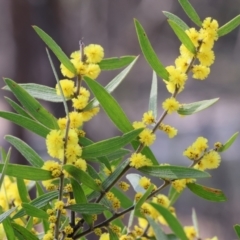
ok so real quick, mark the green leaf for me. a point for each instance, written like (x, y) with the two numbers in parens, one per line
(24, 232)
(40, 92)
(237, 230)
(159, 234)
(116, 62)
(210, 194)
(191, 108)
(80, 197)
(108, 146)
(29, 154)
(87, 208)
(27, 172)
(22, 190)
(82, 177)
(195, 222)
(173, 172)
(110, 106)
(182, 36)
(34, 212)
(8, 229)
(148, 52)
(190, 11)
(172, 221)
(33, 107)
(118, 154)
(5, 165)
(62, 57)
(177, 20)
(173, 195)
(153, 96)
(17, 108)
(4, 215)
(112, 85)
(107, 183)
(229, 142)
(229, 26)
(38, 202)
(27, 123)
(143, 198)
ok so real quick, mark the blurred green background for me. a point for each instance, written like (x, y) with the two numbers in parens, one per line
(110, 24)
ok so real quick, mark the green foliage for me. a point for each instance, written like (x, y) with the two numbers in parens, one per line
(115, 63)
(229, 142)
(237, 230)
(177, 20)
(228, 27)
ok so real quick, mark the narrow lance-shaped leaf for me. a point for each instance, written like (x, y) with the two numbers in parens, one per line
(87, 208)
(7, 225)
(108, 146)
(33, 211)
(30, 155)
(229, 142)
(110, 106)
(237, 230)
(25, 233)
(153, 96)
(5, 165)
(195, 222)
(159, 234)
(177, 20)
(27, 172)
(39, 91)
(173, 172)
(191, 108)
(4, 215)
(149, 53)
(190, 11)
(143, 198)
(27, 123)
(62, 57)
(17, 108)
(82, 176)
(228, 27)
(22, 190)
(38, 202)
(182, 36)
(210, 194)
(173, 195)
(112, 85)
(172, 221)
(33, 107)
(116, 62)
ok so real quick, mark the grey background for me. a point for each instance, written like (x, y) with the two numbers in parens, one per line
(110, 23)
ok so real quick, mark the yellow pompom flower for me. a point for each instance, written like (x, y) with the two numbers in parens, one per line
(92, 71)
(200, 72)
(176, 76)
(76, 55)
(116, 204)
(65, 72)
(62, 123)
(124, 186)
(182, 63)
(48, 236)
(55, 143)
(72, 137)
(67, 88)
(79, 66)
(171, 105)
(72, 152)
(58, 205)
(94, 53)
(210, 23)
(192, 153)
(81, 164)
(147, 137)
(54, 167)
(137, 125)
(104, 236)
(170, 131)
(201, 144)
(171, 87)
(190, 232)
(193, 34)
(68, 230)
(206, 58)
(83, 92)
(138, 160)
(76, 119)
(162, 200)
(148, 118)
(144, 182)
(80, 102)
(88, 115)
(211, 160)
(179, 185)
(185, 52)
